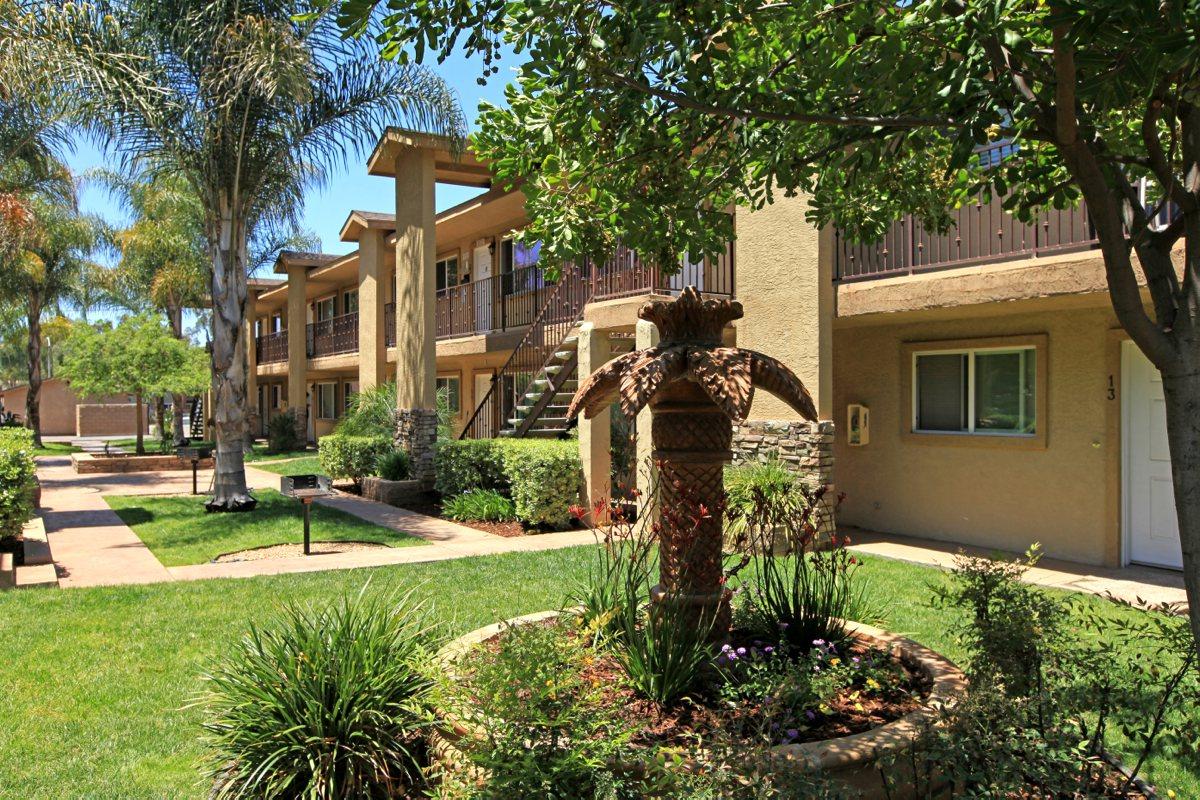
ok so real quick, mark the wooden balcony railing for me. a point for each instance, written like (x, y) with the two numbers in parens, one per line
(272, 347)
(333, 336)
(983, 232)
(513, 300)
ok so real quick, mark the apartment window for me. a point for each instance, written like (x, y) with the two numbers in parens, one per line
(986, 391)
(451, 386)
(447, 272)
(517, 260)
(349, 389)
(327, 401)
(325, 309)
(350, 301)
(276, 323)
(275, 396)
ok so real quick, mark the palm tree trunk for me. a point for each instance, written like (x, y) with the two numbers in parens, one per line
(140, 449)
(692, 439)
(228, 242)
(175, 320)
(33, 417)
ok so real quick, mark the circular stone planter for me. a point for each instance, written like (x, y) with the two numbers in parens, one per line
(850, 760)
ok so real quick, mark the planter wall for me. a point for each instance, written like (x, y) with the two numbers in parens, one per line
(394, 493)
(850, 760)
(86, 463)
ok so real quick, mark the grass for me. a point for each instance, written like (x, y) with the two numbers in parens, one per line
(56, 449)
(97, 681)
(178, 531)
(308, 465)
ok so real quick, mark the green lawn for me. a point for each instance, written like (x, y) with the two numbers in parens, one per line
(97, 681)
(300, 466)
(178, 530)
(56, 449)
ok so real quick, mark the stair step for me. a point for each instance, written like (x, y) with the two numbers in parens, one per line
(31, 576)
(553, 369)
(570, 341)
(563, 355)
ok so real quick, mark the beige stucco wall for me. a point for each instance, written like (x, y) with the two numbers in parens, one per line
(986, 494)
(57, 404)
(786, 290)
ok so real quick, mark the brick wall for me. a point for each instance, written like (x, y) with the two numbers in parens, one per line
(105, 419)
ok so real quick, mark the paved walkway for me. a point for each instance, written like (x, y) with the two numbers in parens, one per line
(1142, 586)
(93, 547)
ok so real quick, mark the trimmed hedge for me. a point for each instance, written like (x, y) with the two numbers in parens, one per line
(542, 477)
(353, 457)
(17, 474)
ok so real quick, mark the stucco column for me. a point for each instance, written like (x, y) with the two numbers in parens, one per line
(372, 297)
(297, 377)
(646, 335)
(595, 434)
(416, 353)
(785, 285)
(252, 418)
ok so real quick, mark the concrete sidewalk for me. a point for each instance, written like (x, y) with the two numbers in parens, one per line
(1141, 586)
(93, 547)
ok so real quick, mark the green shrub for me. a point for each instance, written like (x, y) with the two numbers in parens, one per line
(281, 433)
(768, 487)
(353, 457)
(323, 702)
(480, 504)
(545, 477)
(461, 465)
(394, 466)
(17, 475)
(372, 412)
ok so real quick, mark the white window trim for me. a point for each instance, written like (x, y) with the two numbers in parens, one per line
(971, 352)
(458, 380)
(333, 386)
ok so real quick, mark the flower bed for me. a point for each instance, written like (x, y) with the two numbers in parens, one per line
(92, 463)
(836, 710)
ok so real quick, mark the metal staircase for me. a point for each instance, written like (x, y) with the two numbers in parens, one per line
(529, 394)
(196, 417)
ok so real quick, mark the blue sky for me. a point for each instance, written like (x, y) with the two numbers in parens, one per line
(348, 188)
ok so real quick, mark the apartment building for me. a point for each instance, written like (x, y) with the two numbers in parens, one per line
(973, 386)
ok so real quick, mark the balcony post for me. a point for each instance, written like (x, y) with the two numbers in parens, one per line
(297, 375)
(252, 410)
(372, 299)
(646, 335)
(416, 305)
(595, 434)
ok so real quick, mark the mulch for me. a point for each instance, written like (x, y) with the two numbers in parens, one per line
(505, 529)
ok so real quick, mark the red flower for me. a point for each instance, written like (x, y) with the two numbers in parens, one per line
(578, 511)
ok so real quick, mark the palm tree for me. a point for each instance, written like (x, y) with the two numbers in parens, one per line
(695, 389)
(54, 261)
(246, 100)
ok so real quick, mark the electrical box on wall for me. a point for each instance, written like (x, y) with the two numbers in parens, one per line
(858, 425)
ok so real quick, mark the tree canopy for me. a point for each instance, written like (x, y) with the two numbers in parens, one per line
(140, 355)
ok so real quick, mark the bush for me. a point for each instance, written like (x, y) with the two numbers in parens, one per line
(545, 477)
(353, 457)
(281, 433)
(372, 412)
(326, 702)
(542, 477)
(17, 476)
(480, 504)
(759, 487)
(461, 465)
(394, 466)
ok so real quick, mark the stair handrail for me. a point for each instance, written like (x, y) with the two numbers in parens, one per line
(536, 326)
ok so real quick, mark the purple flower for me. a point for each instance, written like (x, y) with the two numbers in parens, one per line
(741, 651)
(792, 733)
(855, 659)
(783, 626)
(819, 642)
(768, 649)
(725, 648)
(811, 716)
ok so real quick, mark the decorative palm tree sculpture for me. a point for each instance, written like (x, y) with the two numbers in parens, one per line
(695, 389)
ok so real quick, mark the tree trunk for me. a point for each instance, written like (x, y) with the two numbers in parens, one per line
(1181, 390)
(33, 416)
(175, 320)
(228, 243)
(160, 413)
(140, 449)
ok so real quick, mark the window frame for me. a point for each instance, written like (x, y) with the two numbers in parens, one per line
(346, 296)
(911, 434)
(457, 395)
(443, 278)
(331, 300)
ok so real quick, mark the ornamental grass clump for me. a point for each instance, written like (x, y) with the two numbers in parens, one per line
(485, 505)
(323, 702)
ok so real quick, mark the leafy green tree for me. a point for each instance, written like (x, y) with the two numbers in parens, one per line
(54, 259)
(642, 122)
(140, 356)
(247, 102)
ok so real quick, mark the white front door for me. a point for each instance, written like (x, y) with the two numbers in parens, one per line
(1151, 527)
(483, 288)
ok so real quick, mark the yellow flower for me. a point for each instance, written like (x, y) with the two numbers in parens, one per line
(833, 662)
(872, 683)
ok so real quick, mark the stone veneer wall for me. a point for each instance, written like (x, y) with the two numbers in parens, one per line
(805, 448)
(416, 434)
